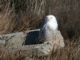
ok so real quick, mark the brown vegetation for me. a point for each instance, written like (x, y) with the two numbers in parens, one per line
(21, 15)
(24, 13)
(70, 52)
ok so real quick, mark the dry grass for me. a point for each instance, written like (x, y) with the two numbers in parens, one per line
(7, 18)
(69, 52)
(20, 15)
(27, 14)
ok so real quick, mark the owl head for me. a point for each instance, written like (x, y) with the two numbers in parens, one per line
(51, 21)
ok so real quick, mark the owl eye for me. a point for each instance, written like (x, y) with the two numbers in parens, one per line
(51, 17)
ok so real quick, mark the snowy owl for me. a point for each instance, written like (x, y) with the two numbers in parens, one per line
(50, 32)
(49, 27)
(50, 22)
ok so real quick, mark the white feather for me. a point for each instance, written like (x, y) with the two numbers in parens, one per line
(51, 22)
(49, 27)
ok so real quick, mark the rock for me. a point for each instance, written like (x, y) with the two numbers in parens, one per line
(14, 43)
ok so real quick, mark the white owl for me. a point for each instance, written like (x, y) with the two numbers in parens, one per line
(49, 27)
(50, 22)
(50, 32)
